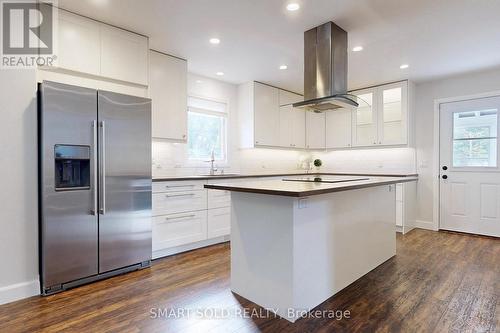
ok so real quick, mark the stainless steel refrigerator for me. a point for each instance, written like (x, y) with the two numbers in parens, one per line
(94, 184)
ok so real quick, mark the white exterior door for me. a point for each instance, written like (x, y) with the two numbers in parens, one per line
(469, 167)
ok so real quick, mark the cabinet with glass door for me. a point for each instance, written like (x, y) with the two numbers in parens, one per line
(382, 116)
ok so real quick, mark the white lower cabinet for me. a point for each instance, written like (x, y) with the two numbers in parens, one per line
(188, 216)
(219, 222)
(179, 229)
(218, 199)
(406, 195)
(178, 202)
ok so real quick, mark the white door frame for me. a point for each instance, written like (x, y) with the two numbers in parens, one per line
(436, 152)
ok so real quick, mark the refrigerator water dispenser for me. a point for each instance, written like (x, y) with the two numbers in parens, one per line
(72, 167)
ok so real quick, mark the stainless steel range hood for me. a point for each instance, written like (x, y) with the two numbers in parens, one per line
(325, 69)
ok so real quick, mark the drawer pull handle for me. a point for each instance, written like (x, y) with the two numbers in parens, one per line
(179, 195)
(224, 214)
(169, 219)
(177, 186)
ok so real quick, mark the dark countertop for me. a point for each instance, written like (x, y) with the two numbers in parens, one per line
(303, 189)
(233, 176)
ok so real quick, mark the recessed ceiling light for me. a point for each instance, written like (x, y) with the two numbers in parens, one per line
(292, 7)
(357, 48)
(214, 40)
(404, 66)
(199, 81)
(219, 73)
(283, 67)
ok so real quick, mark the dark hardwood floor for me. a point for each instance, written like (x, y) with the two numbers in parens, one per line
(438, 282)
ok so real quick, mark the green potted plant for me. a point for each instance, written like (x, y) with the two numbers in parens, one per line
(317, 163)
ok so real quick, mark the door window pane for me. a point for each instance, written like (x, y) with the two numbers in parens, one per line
(475, 139)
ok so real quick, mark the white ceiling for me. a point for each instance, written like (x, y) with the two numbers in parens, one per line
(435, 37)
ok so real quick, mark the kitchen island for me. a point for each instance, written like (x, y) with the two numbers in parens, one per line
(296, 242)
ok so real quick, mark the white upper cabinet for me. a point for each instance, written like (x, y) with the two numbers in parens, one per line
(292, 127)
(382, 116)
(315, 130)
(338, 128)
(364, 122)
(267, 118)
(168, 92)
(124, 55)
(90, 47)
(393, 114)
(287, 97)
(78, 44)
(266, 115)
(298, 127)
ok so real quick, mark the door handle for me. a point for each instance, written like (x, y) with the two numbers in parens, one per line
(445, 167)
(444, 177)
(102, 194)
(94, 167)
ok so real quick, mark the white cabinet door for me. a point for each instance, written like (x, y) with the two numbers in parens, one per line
(292, 132)
(338, 128)
(219, 199)
(219, 222)
(315, 130)
(79, 44)
(178, 202)
(179, 229)
(298, 127)
(179, 186)
(285, 133)
(124, 55)
(364, 124)
(286, 97)
(393, 114)
(168, 92)
(266, 115)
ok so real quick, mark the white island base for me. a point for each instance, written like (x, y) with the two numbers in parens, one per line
(290, 254)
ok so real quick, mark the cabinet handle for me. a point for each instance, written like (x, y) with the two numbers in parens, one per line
(177, 186)
(216, 215)
(380, 142)
(178, 195)
(168, 219)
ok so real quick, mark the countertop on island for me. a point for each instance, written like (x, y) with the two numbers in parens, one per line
(310, 187)
(312, 174)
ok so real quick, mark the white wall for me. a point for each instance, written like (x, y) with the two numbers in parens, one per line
(18, 179)
(426, 94)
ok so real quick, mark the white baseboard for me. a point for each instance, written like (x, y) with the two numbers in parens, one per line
(15, 292)
(188, 247)
(429, 225)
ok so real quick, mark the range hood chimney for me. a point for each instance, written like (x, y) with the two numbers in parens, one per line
(325, 69)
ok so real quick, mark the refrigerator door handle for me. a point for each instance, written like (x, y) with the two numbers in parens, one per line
(94, 167)
(102, 194)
